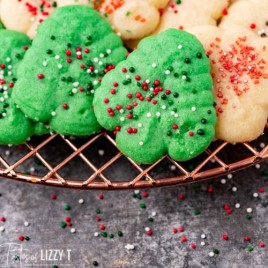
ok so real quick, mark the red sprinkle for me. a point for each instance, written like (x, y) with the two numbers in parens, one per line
(40, 76)
(225, 237)
(184, 239)
(102, 227)
(181, 229)
(174, 230)
(144, 194)
(247, 238)
(53, 197)
(67, 219)
(21, 238)
(149, 232)
(181, 196)
(193, 246)
(262, 244)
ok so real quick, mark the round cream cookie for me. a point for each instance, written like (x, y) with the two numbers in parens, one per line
(249, 14)
(25, 15)
(239, 67)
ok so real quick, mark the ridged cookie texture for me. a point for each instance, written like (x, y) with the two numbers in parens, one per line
(239, 63)
(160, 99)
(72, 51)
(15, 128)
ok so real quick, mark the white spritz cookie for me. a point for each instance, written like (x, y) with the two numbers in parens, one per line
(249, 14)
(239, 62)
(25, 15)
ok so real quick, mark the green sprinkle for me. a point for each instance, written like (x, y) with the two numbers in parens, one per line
(197, 212)
(151, 219)
(104, 234)
(111, 236)
(27, 238)
(67, 207)
(249, 217)
(250, 248)
(196, 185)
(95, 263)
(63, 224)
(52, 37)
(142, 205)
(98, 211)
(134, 195)
(216, 251)
(49, 51)
(120, 233)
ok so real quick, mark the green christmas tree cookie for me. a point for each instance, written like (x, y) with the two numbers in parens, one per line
(73, 50)
(15, 128)
(160, 99)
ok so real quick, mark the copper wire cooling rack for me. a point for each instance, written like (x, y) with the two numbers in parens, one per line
(96, 163)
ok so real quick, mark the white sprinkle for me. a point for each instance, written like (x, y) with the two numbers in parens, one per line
(158, 114)
(73, 230)
(172, 167)
(172, 113)
(101, 55)
(127, 76)
(57, 57)
(167, 72)
(53, 113)
(147, 81)
(148, 115)
(141, 143)
(139, 124)
(223, 181)
(257, 166)
(176, 115)
(179, 46)
(79, 53)
(96, 234)
(234, 189)
(121, 111)
(101, 152)
(255, 195)
(154, 65)
(147, 229)
(9, 67)
(136, 191)
(262, 145)
(76, 84)
(9, 73)
(74, 90)
(237, 205)
(32, 169)
(229, 176)
(129, 247)
(203, 243)
(211, 254)
(100, 63)
(184, 77)
(122, 119)
(109, 51)
(26, 223)
(95, 59)
(92, 91)
(163, 107)
(96, 71)
(249, 210)
(2, 228)
(193, 108)
(203, 236)
(81, 201)
(7, 153)
(8, 59)
(59, 66)
(153, 213)
(95, 82)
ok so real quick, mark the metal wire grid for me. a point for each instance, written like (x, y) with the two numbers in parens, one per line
(144, 178)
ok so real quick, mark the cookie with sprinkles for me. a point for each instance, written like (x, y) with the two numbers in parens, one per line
(62, 69)
(131, 19)
(159, 100)
(249, 14)
(240, 72)
(25, 15)
(15, 128)
(183, 14)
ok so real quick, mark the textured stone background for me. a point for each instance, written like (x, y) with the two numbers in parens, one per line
(120, 211)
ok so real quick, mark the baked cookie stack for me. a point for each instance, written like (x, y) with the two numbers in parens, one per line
(199, 72)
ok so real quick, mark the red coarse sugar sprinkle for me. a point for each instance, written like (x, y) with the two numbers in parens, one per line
(102, 227)
(65, 106)
(262, 244)
(193, 246)
(69, 224)
(174, 230)
(100, 196)
(53, 197)
(225, 237)
(246, 238)
(225, 11)
(181, 196)
(21, 238)
(98, 218)
(2, 219)
(25, 48)
(191, 133)
(261, 190)
(252, 26)
(68, 219)
(181, 229)
(149, 232)
(184, 239)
